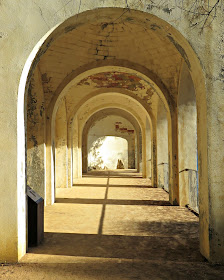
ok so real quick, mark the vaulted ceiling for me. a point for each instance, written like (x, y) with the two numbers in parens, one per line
(133, 38)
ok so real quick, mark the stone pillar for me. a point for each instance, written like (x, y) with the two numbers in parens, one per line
(215, 144)
(148, 150)
(76, 141)
(140, 151)
(36, 135)
(84, 152)
(154, 154)
(144, 171)
(61, 151)
(187, 141)
(131, 151)
(69, 142)
(137, 151)
(162, 147)
(50, 160)
(80, 153)
(173, 158)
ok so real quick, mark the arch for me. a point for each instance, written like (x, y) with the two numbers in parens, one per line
(51, 113)
(111, 104)
(196, 72)
(172, 121)
(105, 65)
(98, 116)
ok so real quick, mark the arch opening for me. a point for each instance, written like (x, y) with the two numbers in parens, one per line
(114, 122)
(46, 145)
(108, 152)
(96, 105)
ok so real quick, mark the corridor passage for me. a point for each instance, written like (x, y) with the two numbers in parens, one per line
(114, 225)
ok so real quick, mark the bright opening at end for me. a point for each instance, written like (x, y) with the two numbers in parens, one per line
(105, 152)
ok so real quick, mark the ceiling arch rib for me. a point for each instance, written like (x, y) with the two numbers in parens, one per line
(111, 100)
(107, 112)
(81, 86)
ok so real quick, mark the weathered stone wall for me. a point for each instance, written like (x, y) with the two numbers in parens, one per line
(36, 135)
(162, 147)
(140, 153)
(76, 151)
(187, 141)
(61, 148)
(148, 150)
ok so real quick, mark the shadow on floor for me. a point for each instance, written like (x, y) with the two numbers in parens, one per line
(117, 173)
(179, 230)
(101, 269)
(165, 248)
(113, 201)
(114, 186)
(127, 176)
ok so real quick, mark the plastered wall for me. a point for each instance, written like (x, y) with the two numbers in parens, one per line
(36, 135)
(162, 146)
(187, 141)
(24, 23)
(61, 147)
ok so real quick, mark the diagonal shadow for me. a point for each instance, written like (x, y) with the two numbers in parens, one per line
(104, 202)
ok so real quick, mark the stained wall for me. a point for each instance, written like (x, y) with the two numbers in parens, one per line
(36, 135)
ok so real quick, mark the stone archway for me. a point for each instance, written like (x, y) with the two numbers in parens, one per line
(106, 99)
(182, 49)
(97, 117)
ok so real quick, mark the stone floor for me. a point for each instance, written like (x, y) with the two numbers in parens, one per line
(113, 225)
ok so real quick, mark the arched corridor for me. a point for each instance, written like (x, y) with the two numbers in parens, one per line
(147, 97)
(118, 126)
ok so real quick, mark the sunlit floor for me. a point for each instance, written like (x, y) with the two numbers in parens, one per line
(114, 225)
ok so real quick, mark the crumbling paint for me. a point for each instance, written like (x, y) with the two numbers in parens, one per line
(114, 80)
(123, 129)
